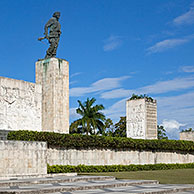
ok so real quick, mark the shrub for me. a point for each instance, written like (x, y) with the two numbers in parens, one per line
(76, 141)
(115, 168)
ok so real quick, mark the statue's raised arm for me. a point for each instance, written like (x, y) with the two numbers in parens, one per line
(52, 32)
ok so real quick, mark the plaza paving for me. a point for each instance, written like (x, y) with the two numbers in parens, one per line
(88, 185)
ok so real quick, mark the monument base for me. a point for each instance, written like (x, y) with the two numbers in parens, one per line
(53, 75)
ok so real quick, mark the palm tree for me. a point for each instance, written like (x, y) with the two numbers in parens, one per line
(91, 119)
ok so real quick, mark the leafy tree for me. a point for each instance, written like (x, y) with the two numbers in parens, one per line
(187, 130)
(91, 120)
(108, 128)
(161, 132)
(120, 128)
(141, 96)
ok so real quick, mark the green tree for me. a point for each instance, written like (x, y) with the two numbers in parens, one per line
(141, 96)
(91, 118)
(108, 128)
(161, 132)
(187, 130)
(120, 128)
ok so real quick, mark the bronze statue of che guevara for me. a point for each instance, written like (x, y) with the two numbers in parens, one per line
(52, 32)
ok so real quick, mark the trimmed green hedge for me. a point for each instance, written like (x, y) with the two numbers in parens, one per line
(115, 168)
(76, 141)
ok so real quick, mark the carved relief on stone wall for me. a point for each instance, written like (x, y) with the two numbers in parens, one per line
(136, 119)
(20, 105)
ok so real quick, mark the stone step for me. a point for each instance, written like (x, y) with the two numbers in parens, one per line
(141, 189)
(90, 184)
(52, 180)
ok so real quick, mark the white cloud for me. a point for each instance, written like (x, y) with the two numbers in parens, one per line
(116, 110)
(179, 101)
(186, 18)
(188, 69)
(75, 74)
(172, 128)
(180, 107)
(118, 93)
(72, 114)
(100, 85)
(176, 84)
(112, 43)
(109, 83)
(171, 124)
(167, 86)
(166, 44)
(72, 82)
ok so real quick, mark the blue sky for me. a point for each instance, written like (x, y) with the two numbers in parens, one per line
(114, 47)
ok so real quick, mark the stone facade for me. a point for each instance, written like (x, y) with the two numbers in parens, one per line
(19, 158)
(141, 118)
(189, 136)
(25, 158)
(114, 157)
(53, 75)
(20, 105)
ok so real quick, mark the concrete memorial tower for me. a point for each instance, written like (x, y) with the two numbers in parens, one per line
(141, 118)
(53, 75)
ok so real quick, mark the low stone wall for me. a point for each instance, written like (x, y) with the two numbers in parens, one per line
(18, 158)
(23, 158)
(109, 157)
(189, 136)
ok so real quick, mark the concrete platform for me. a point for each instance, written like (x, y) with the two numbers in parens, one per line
(88, 185)
(52, 179)
(65, 184)
(140, 189)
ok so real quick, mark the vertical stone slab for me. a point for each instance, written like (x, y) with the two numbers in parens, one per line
(53, 75)
(141, 118)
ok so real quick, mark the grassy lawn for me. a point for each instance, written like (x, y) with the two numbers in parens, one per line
(178, 176)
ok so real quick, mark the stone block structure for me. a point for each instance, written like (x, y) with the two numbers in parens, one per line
(189, 135)
(19, 158)
(20, 105)
(141, 118)
(53, 75)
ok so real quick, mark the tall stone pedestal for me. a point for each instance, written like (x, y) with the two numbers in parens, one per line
(53, 75)
(141, 119)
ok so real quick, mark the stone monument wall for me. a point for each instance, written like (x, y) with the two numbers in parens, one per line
(141, 118)
(53, 75)
(20, 105)
(189, 136)
(21, 158)
(25, 158)
(114, 157)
